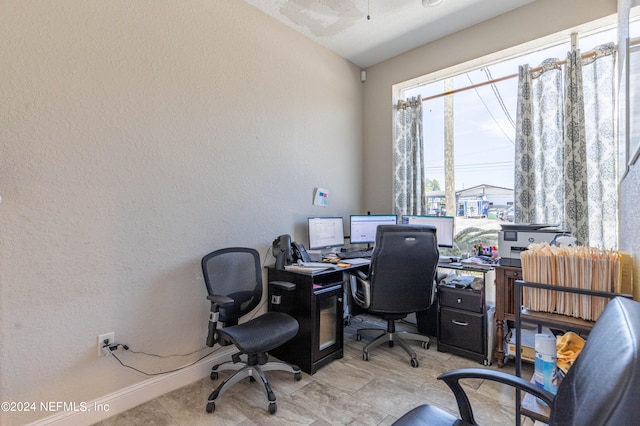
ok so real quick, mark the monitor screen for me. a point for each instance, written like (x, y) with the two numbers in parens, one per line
(325, 232)
(444, 227)
(363, 227)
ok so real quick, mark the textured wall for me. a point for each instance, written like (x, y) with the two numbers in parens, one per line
(135, 137)
(630, 221)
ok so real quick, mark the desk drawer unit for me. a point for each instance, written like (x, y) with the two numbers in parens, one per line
(462, 323)
(467, 300)
(462, 329)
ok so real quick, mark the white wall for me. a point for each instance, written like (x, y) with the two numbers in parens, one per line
(135, 137)
(542, 18)
(630, 221)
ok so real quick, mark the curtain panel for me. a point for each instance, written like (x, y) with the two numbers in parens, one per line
(408, 158)
(566, 148)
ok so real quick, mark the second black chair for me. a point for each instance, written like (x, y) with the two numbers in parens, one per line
(233, 277)
(400, 281)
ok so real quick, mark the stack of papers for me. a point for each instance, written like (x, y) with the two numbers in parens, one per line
(579, 267)
(476, 263)
(306, 269)
(460, 281)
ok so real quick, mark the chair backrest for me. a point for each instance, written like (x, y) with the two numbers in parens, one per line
(603, 386)
(234, 272)
(403, 268)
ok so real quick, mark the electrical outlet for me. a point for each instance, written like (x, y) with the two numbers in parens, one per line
(109, 337)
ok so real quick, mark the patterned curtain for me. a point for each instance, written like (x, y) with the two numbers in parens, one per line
(566, 149)
(538, 192)
(576, 216)
(408, 158)
(598, 76)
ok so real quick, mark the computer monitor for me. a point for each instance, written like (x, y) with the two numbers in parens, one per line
(445, 227)
(363, 227)
(325, 232)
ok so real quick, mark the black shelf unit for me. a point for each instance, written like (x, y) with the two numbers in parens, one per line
(527, 405)
(317, 303)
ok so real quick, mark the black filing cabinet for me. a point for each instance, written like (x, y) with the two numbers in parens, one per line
(462, 323)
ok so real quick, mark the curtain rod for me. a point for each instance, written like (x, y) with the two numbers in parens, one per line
(507, 77)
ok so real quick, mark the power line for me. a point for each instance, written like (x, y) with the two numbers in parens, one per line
(496, 92)
(489, 111)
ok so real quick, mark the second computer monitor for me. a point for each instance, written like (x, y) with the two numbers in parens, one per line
(363, 227)
(325, 232)
(445, 227)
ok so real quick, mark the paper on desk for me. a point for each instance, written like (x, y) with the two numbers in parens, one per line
(356, 261)
(305, 269)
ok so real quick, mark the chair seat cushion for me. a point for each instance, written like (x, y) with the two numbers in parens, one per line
(261, 334)
(427, 415)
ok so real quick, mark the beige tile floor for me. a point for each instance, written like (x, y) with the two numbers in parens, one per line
(347, 391)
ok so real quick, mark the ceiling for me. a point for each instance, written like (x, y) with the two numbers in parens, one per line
(394, 27)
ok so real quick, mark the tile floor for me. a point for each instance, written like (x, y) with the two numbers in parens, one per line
(347, 391)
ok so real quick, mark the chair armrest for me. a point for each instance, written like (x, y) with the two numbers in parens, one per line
(284, 285)
(217, 300)
(452, 378)
(220, 300)
(360, 289)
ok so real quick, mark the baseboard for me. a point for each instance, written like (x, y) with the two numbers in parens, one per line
(134, 395)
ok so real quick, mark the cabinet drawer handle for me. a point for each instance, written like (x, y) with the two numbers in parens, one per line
(464, 324)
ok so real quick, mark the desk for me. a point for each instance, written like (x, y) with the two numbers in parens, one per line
(317, 303)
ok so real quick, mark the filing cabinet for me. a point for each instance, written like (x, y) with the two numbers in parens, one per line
(462, 323)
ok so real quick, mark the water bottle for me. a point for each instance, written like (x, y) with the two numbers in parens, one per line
(545, 362)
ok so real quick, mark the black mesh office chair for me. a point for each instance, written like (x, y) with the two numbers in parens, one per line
(602, 387)
(233, 277)
(400, 281)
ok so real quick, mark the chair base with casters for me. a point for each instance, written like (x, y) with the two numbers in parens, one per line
(391, 336)
(250, 363)
(253, 367)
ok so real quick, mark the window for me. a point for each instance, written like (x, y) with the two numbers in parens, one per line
(474, 130)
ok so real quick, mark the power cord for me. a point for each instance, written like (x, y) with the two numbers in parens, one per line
(111, 349)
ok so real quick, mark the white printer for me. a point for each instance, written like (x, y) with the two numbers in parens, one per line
(514, 238)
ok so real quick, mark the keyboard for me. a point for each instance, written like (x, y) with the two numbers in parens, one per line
(354, 254)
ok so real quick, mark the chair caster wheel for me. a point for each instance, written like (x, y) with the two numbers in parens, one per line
(485, 362)
(425, 345)
(414, 363)
(252, 379)
(297, 376)
(390, 343)
(211, 407)
(358, 337)
(273, 408)
(365, 356)
(214, 375)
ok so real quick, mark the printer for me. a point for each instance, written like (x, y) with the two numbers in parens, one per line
(514, 238)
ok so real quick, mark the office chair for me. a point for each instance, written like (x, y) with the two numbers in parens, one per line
(233, 277)
(400, 281)
(602, 387)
